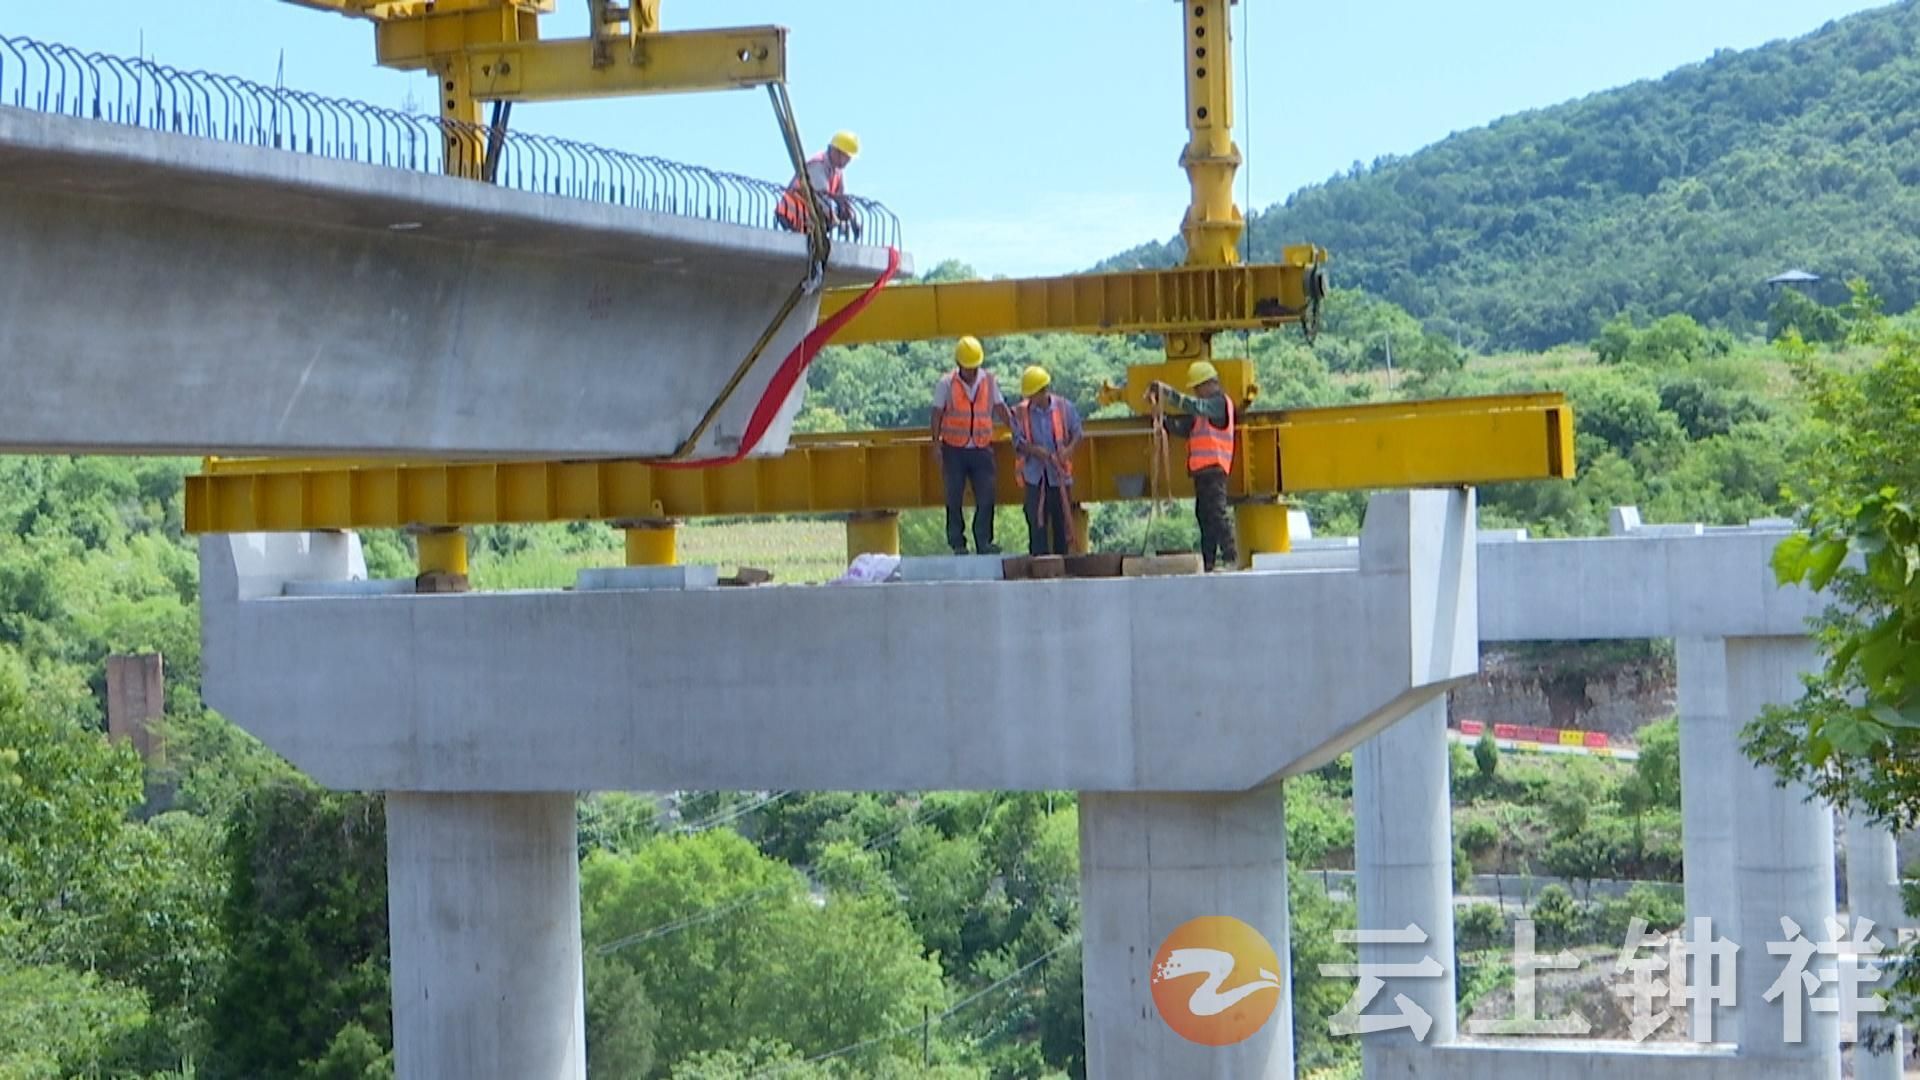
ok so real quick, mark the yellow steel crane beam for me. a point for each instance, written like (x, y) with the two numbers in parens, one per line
(1184, 299)
(676, 62)
(1442, 443)
(490, 50)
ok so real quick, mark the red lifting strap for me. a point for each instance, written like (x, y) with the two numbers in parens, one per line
(791, 371)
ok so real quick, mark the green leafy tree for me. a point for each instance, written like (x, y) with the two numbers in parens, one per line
(728, 947)
(1853, 732)
(354, 1054)
(1486, 759)
(1658, 767)
(1556, 918)
(61, 816)
(55, 1021)
(306, 919)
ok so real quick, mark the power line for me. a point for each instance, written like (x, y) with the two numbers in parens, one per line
(732, 813)
(1018, 973)
(707, 915)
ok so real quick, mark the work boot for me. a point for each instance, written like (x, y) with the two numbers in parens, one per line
(990, 549)
(960, 551)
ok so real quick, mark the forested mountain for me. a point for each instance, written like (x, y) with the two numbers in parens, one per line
(1681, 194)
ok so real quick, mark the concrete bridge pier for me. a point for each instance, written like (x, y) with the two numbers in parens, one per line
(483, 906)
(1873, 892)
(1709, 752)
(1150, 862)
(1782, 867)
(1403, 853)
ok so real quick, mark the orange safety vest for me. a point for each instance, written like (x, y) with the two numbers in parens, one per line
(1209, 446)
(967, 421)
(1023, 415)
(793, 204)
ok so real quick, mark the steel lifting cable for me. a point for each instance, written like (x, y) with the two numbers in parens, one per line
(819, 247)
(1159, 473)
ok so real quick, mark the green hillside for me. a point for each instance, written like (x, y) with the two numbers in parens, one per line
(1681, 194)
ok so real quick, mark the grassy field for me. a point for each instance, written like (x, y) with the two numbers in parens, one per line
(793, 551)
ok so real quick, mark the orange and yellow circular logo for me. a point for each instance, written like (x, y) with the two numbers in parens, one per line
(1216, 980)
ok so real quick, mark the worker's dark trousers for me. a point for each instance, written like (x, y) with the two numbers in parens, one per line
(1048, 537)
(1216, 518)
(960, 467)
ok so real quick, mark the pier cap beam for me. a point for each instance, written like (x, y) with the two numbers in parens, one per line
(1215, 683)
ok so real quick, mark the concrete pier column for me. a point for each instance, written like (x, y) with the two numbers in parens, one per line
(1782, 866)
(484, 907)
(1403, 861)
(1873, 892)
(1148, 864)
(1709, 755)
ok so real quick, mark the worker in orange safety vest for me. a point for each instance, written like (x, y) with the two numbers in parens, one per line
(1046, 429)
(1208, 428)
(827, 171)
(966, 401)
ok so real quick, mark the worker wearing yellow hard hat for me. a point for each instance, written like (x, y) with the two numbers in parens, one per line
(966, 401)
(827, 172)
(1046, 429)
(1207, 425)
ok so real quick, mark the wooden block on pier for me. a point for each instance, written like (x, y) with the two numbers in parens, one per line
(1162, 565)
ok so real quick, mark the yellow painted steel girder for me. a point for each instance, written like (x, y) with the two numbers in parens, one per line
(1455, 442)
(1196, 299)
(669, 62)
(384, 10)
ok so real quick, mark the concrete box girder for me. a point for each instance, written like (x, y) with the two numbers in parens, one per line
(1217, 683)
(1666, 582)
(146, 270)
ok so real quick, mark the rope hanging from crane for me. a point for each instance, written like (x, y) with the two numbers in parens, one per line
(1159, 474)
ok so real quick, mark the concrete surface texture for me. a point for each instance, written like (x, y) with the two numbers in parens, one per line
(1403, 856)
(483, 905)
(1093, 685)
(1782, 869)
(1709, 751)
(1754, 851)
(1149, 863)
(1873, 892)
(340, 308)
(1557, 1059)
(1715, 583)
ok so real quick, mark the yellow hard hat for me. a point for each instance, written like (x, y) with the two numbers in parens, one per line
(1034, 380)
(968, 352)
(1199, 372)
(847, 143)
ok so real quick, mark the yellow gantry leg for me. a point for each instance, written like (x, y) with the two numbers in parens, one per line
(652, 542)
(1260, 528)
(466, 140)
(873, 533)
(1213, 225)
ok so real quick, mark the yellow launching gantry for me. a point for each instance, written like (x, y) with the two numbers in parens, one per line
(489, 50)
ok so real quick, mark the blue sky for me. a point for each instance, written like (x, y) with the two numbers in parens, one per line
(1029, 137)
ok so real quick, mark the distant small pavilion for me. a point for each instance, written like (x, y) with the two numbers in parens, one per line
(1793, 277)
